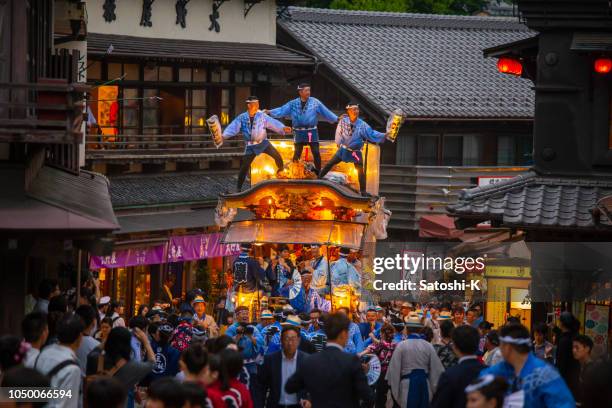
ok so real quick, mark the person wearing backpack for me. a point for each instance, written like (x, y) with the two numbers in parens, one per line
(59, 361)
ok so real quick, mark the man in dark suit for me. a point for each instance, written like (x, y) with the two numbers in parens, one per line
(332, 377)
(276, 370)
(450, 391)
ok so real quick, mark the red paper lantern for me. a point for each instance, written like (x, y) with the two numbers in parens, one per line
(509, 66)
(603, 65)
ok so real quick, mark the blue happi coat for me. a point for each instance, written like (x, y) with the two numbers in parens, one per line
(272, 342)
(354, 345)
(247, 272)
(540, 381)
(351, 140)
(305, 118)
(304, 302)
(319, 275)
(344, 273)
(255, 135)
(251, 353)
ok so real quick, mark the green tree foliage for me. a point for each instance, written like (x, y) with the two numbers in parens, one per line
(412, 6)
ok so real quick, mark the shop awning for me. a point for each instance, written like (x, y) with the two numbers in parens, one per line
(56, 200)
(162, 221)
(347, 234)
(163, 48)
(439, 226)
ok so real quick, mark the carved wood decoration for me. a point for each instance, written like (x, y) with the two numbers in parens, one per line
(181, 12)
(145, 20)
(248, 5)
(109, 10)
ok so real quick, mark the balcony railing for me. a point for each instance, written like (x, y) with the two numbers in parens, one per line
(414, 191)
(159, 148)
(50, 111)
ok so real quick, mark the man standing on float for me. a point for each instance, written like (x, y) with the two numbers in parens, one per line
(253, 124)
(305, 112)
(350, 137)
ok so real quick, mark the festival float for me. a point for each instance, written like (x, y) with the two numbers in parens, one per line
(296, 209)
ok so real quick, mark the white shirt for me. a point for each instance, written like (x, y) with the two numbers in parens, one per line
(87, 345)
(30, 357)
(68, 378)
(117, 320)
(288, 367)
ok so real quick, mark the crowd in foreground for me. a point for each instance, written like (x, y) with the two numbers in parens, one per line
(394, 354)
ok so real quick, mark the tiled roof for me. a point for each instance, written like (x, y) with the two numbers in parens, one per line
(532, 200)
(428, 65)
(175, 188)
(128, 46)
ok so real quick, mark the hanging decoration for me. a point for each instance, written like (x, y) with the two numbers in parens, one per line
(214, 16)
(181, 12)
(109, 11)
(145, 20)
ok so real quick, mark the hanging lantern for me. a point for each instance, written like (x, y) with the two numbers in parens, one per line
(603, 65)
(509, 66)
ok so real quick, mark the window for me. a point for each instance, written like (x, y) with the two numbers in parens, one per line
(195, 111)
(427, 150)
(238, 76)
(114, 70)
(165, 74)
(225, 107)
(220, 75)
(94, 70)
(129, 111)
(248, 76)
(184, 74)
(131, 72)
(505, 150)
(472, 150)
(150, 73)
(150, 112)
(199, 75)
(452, 150)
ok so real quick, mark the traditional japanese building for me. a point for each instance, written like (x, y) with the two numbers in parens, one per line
(466, 123)
(52, 213)
(563, 202)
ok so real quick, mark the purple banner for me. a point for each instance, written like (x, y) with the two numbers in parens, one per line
(129, 257)
(201, 246)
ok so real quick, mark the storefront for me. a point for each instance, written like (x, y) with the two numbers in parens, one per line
(507, 294)
(135, 276)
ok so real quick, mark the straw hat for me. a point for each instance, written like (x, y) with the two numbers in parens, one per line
(444, 316)
(292, 320)
(413, 320)
(266, 314)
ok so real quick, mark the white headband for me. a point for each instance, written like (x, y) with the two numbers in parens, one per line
(515, 340)
(482, 382)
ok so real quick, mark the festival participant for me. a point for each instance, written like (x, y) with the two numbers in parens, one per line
(166, 356)
(88, 343)
(433, 322)
(405, 310)
(305, 112)
(106, 325)
(116, 311)
(253, 124)
(247, 271)
(533, 381)
(166, 393)
(350, 139)
(344, 273)
(308, 298)
(271, 333)
(371, 327)
(248, 339)
(400, 329)
(332, 377)
(183, 334)
(103, 306)
(266, 318)
(381, 314)
(305, 345)
(414, 369)
(450, 391)
(315, 331)
(194, 363)
(201, 319)
(383, 349)
(354, 344)
(486, 392)
(277, 368)
(318, 267)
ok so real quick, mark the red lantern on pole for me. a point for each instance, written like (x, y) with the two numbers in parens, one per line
(509, 66)
(603, 65)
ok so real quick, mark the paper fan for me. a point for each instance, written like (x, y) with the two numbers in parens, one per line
(374, 372)
(294, 290)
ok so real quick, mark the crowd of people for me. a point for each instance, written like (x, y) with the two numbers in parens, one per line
(430, 355)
